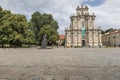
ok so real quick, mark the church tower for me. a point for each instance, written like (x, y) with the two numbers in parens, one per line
(82, 30)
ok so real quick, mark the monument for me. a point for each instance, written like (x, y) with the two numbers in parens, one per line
(44, 41)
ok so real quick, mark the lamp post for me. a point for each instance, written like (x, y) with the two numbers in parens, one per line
(99, 36)
(109, 39)
(114, 40)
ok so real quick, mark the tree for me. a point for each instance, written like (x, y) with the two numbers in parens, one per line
(43, 24)
(1, 8)
(14, 29)
(36, 22)
(23, 30)
(52, 36)
(5, 28)
(53, 39)
(108, 30)
(54, 25)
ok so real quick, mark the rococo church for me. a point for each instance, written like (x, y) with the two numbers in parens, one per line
(82, 30)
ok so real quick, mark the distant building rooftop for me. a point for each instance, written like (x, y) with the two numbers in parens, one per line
(61, 37)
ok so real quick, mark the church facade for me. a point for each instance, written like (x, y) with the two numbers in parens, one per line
(82, 30)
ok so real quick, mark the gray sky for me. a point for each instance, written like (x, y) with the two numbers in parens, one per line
(107, 11)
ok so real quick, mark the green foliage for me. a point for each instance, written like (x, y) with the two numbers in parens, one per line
(16, 31)
(0, 8)
(5, 28)
(108, 30)
(53, 39)
(44, 24)
(52, 36)
(54, 25)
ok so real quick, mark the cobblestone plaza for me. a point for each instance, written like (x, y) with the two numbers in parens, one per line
(60, 64)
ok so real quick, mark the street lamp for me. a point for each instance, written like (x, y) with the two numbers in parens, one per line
(99, 36)
(114, 40)
(109, 39)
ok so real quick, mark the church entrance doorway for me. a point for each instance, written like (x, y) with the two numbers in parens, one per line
(83, 42)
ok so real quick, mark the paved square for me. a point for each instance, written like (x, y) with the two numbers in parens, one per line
(60, 64)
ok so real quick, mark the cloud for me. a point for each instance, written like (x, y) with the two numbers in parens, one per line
(107, 13)
(92, 2)
(61, 10)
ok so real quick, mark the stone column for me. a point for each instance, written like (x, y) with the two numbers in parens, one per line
(87, 29)
(77, 30)
(72, 32)
(99, 43)
(93, 30)
(92, 36)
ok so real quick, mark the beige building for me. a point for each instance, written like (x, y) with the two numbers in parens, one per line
(111, 38)
(82, 30)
